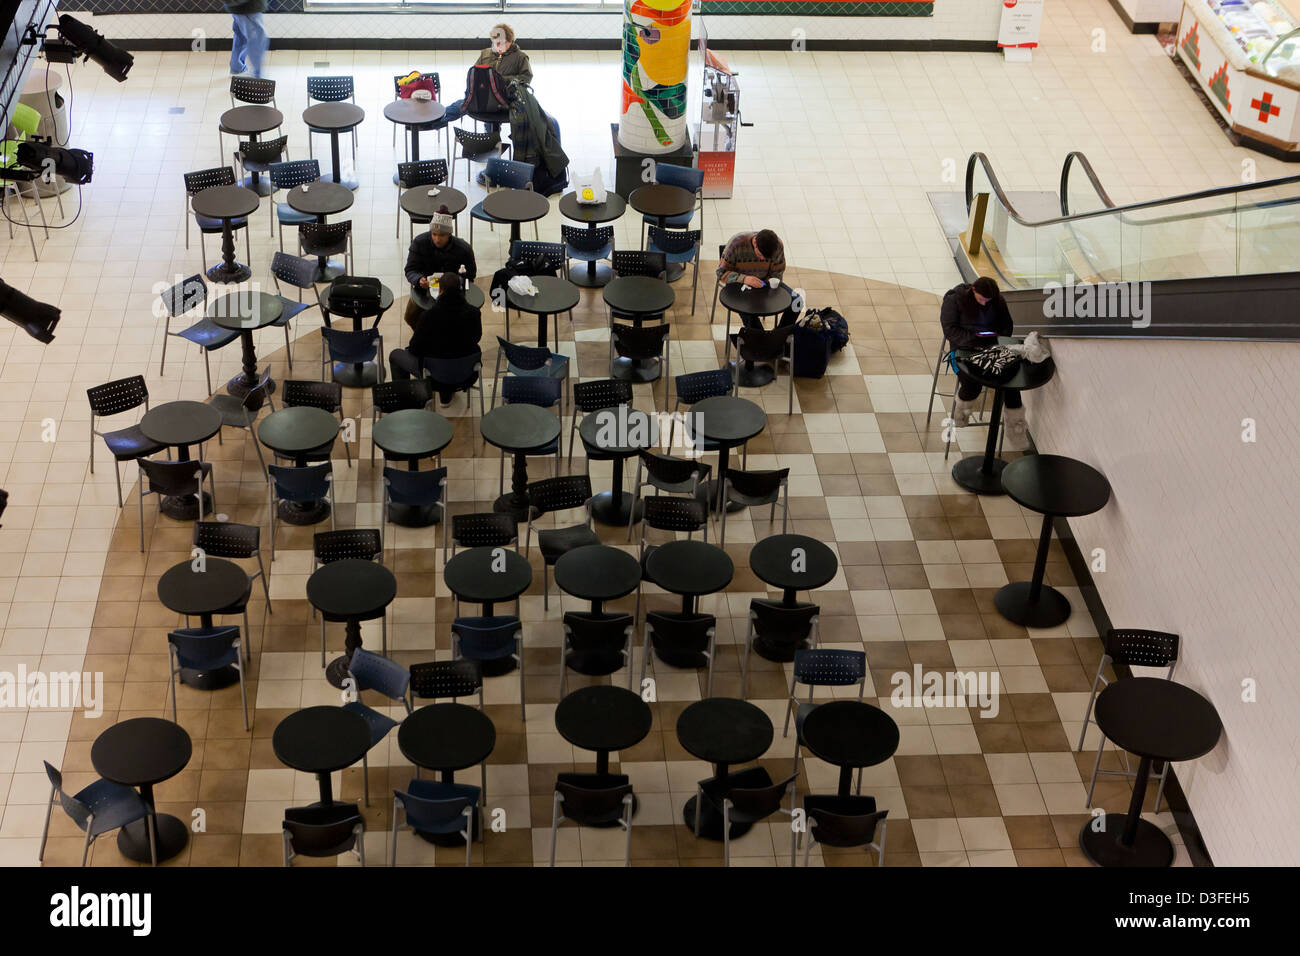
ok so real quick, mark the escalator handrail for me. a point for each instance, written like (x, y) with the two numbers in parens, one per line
(1082, 160)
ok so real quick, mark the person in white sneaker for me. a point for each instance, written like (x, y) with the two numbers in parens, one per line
(973, 316)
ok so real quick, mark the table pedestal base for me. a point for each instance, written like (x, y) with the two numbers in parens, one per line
(184, 507)
(356, 376)
(675, 271)
(635, 370)
(291, 512)
(711, 822)
(413, 516)
(336, 671)
(328, 270)
(588, 278)
(607, 510)
(1013, 602)
(754, 376)
(257, 184)
(133, 839)
(969, 473)
(239, 386)
(1150, 846)
(236, 272)
(594, 663)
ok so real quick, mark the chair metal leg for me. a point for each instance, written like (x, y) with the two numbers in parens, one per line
(1095, 767)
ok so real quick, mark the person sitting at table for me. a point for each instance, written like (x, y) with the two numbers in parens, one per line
(451, 329)
(433, 253)
(504, 56)
(973, 316)
(751, 259)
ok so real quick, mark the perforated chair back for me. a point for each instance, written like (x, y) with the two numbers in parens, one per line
(325, 238)
(636, 262)
(639, 341)
(531, 390)
(484, 530)
(307, 484)
(558, 494)
(329, 89)
(323, 395)
(529, 358)
(359, 543)
(262, 152)
(780, 623)
(434, 815)
(582, 239)
(757, 487)
(697, 386)
(668, 473)
(295, 270)
(828, 667)
(604, 393)
(675, 243)
(474, 145)
(374, 672)
(397, 396)
(1138, 648)
(202, 179)
(294, 173)
(439, 680)
(433, 77)
(669, 513)
(323, 831)
(252, 89)
(763, 345)
(226, 539)
(78, 810)
(423, 172)
(509, 174)
(486, 638)
(120, 395)
(185, 295)
(686, 177)
(593, 805)
(530, 250)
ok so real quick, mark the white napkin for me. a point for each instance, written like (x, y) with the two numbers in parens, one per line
(523, 285)
(1033, 349)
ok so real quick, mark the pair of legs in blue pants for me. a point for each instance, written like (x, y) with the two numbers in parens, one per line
(250, 43)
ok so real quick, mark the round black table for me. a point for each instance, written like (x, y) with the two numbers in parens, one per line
(593, 274)
(321, 199)
(480, 577)
(662, 202)
(982, 474)
(293, 432)
(191, 592)
(518, 430)
(413, 114)
(335, 118)
(141, 752)
(423, 201)
(597, 573)
(321, 740)
(729, 421)
(723, 731)
(1156, 719)
(1054, 486)
(615, 507)
(252, 121)
(638, 297)
(553, 295)
(447, 738)
(246, 312)
(352, 591)
(412, 434)
(603, 718)
(691, 569)
(226, 203)
(762, 302)
(850, 734)
(180, 425)
(360, 375)
(473, 295)
(516, 206)
(791, 562)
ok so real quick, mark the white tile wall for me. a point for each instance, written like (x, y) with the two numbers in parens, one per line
(1201, 538)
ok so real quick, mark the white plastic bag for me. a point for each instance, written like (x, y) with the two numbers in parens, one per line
(523, 285)
(1033, 349)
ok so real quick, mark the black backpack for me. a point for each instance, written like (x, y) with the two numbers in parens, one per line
(485, 91)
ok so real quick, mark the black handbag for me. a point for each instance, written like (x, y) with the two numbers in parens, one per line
(355, 293)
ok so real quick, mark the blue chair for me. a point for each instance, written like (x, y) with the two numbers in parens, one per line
(585, 244)
(679, 248)
(490, 639)
(561, 493)
(323, 832)
(330, 89)
(97, 809)
(303, 486)
(361, 544)
(593, 800)
(696, 387)
(346, 347)
(373, 672)
(301, 274)
(439, 808)
(195, 183)
(483, 529)
(181, 299)
(692, 180)
(507, 174)
(460, 374)
(528, 361)
(415, 489)
(542, 392)
(821, 667)
(844, 822)
(290, 175)
(124, 444)
(207, 649)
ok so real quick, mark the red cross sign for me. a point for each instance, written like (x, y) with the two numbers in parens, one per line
(1265, 107)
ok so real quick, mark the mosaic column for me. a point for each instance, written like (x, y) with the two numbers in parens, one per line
(656, 49)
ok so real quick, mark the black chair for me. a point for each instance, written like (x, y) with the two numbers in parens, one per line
(638, 262)
(124, 444)
(562, 493)
(415, 489)
(544, 393)
(821, 667)
(528, 361)
(593, 800)
(301, 486)
(585, 244)
(679, 248)
(485, 529)
(746, 797)
(256, 156)
(679, 635)
(844, 822)
(696, 387)
(640, 343)
(207, 649)
(181, 299)
(318, 831)
(195, 183)
(668, 513)
(423, 172)
(753, 489)
(348, 347)
(174, 478)
(226, 539)
(442, 680)
(666, 474)
(782, 627)
(768, 346)
(476, 149)
(606, 637)
(242, 412)
(290, 175)
(330, 89)
(461, 374)
(549, 259)
(301, 274)
(589, 397)
(396, 396)
(327, 396)
(361, 544)
(326, 239)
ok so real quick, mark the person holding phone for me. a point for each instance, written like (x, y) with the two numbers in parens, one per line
(973, 316)
(754, 259)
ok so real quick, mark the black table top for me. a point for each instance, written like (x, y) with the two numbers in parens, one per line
(660, 199)
(603, 717)
(251, 120)
(597, 572)
(225, 202)
(347, 310)
(241, 311)
(180, 423)
(516, 205)
(351, 588)
(470, 577)
(850, 733)
(321, 198)
(1158, 718)
(612, 208)
(730, 420)
(186, 591)
(553, 295)
(446, 737)
(141, 751)
(321, 739)
(724, 730)
(1028, 376)
(296, 430)
(473, 295)
(772, 560)
(413, 112)
(638, 424)
(413, 433)
(519, 428)
(763, 301)
(335, 116)
(690, 567)
(418, 201)
(640, 294)
(1056, 485)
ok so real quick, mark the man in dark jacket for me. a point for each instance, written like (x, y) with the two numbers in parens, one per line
(973, 316)
(450, 329)
(433, 253)
(250, 41)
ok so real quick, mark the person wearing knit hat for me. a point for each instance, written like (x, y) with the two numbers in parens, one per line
(433, 253)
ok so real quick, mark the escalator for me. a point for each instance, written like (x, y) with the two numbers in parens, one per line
(1220, 263)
